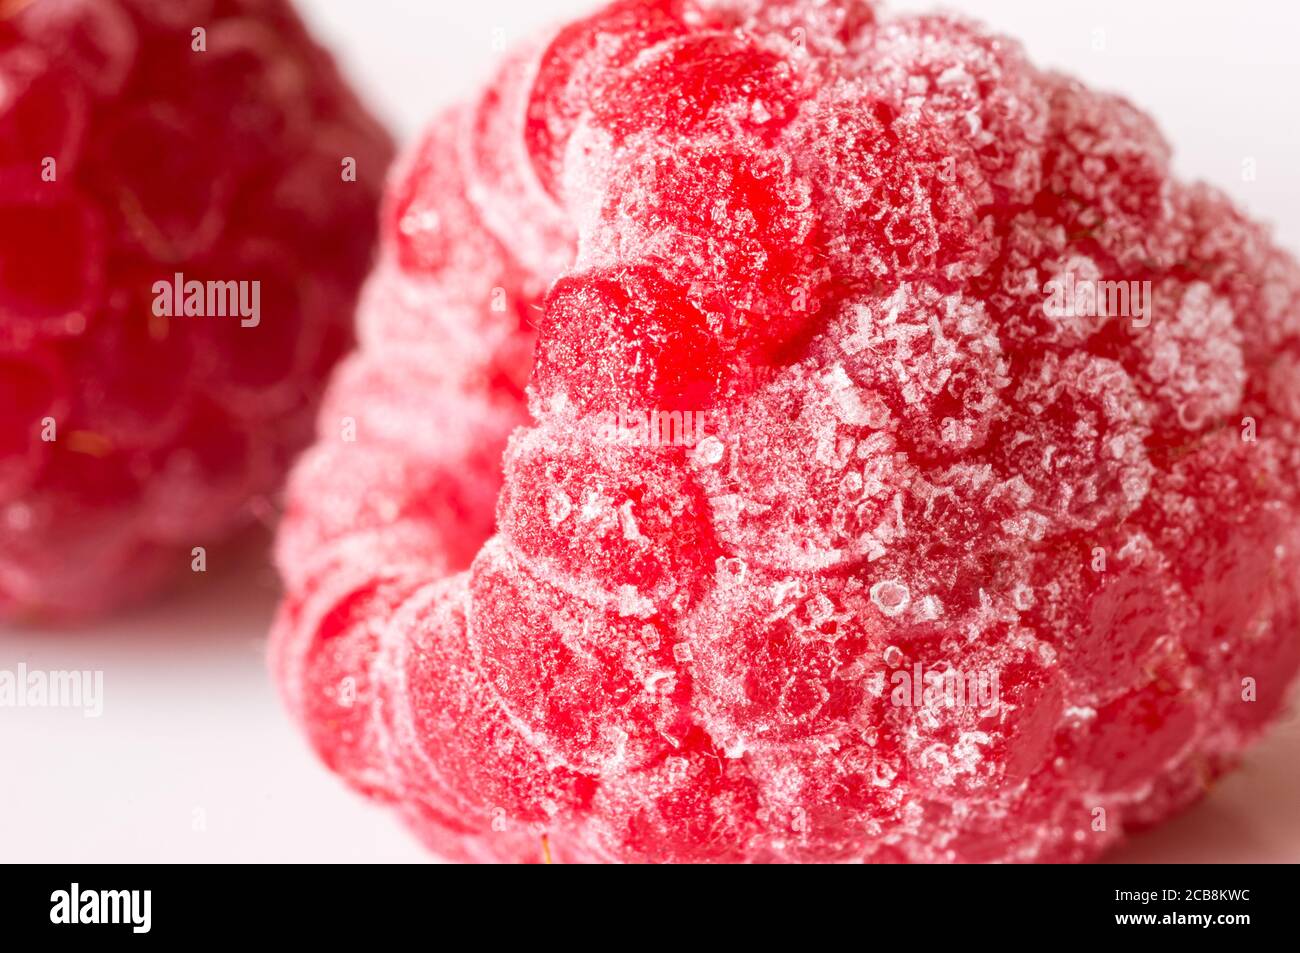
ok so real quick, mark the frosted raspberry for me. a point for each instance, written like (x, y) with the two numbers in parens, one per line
(905, 473)
(129, 155)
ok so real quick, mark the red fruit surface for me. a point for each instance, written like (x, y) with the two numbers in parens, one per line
(128, 155)
(826, 534)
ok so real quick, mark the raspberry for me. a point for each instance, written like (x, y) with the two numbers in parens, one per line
(827, 534)
(129, 155)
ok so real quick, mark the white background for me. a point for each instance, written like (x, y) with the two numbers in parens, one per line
(192, 758)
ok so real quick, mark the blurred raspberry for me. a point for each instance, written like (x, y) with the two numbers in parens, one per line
(139, 140)
(838, 528)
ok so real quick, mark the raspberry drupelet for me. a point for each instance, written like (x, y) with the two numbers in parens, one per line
(954, 572)
(142, 140)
